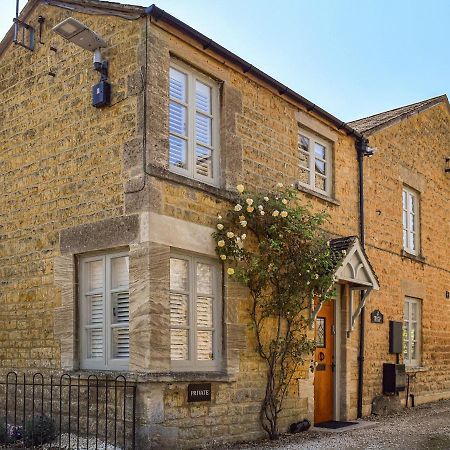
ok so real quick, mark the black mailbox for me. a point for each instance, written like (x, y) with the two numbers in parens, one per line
(394, 378)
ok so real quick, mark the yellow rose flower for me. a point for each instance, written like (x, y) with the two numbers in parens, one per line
(221, 243)
(276, 213)
(230, 234)
(283, 214)
(230, 271)
(284, 201)
(219, 226)
(223, 257)
(240, 188)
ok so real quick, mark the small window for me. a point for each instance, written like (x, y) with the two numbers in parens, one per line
(410, 203)
(104, 311)
(315, 162)
(193, 124)
(195, 313)
(411, 332)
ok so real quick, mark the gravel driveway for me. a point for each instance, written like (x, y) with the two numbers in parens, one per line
(423, 427)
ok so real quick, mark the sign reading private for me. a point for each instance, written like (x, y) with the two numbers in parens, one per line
(199, 392)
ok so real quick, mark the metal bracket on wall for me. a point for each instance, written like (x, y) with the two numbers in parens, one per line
(23, 34)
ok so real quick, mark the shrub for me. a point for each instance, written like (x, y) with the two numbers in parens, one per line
(40, 430)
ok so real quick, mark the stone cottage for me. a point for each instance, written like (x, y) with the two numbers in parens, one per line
(106, 217)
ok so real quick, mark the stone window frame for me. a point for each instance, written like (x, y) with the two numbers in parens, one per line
(408, 361)
(109, 363)
(193, 364)
(406, 245)
(193, 75)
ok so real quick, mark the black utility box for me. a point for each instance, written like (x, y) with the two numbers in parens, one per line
(394, 378)
(101, 94)
(395, 337)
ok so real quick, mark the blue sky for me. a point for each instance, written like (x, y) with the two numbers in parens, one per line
(351, 57)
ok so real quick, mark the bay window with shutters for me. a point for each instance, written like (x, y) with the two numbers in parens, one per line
(195, 313)
(193, 124)
(315, 165)
(104, 311)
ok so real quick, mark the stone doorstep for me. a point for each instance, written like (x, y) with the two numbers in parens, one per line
(361, 424)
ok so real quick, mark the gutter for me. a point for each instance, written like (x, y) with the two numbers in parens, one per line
(361, 147)
(160, 15)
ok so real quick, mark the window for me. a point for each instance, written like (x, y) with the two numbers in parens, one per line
(193, 125)
(195, 313)
(411, 332)
(410, 220)
(104, 311)
(315, 162)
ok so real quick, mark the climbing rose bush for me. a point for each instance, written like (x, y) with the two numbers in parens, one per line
(277, 248)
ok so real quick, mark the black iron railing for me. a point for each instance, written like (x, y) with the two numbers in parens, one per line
(67, 412)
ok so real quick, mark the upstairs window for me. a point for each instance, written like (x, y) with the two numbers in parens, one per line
(195, 313)
(411, 332)
(315, 162)
(193, 124)
(410, 221)
(104, 312)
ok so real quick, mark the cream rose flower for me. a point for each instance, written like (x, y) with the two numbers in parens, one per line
(279, 185)
(249, 201)
(221, 243)
(219, 226)
(266, 199)
(243, 223)
(230, 234)
(262, 213)
(241, 217)
(243, 236)
(240, 188)
(283, 214)
(219, 216)
(276, 213)
(284, 201)
(223, 257)
(238, 207)
(260, 207)
(230, 271)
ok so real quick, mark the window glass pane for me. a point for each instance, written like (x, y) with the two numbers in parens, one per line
(412, 222)
(202, 97)
(414, 311)
(203, 129)
(120, 307)
(203, 161)
(119, 272)
(121, 343)
(95, 309)
(177, 152)
(304, 143)
(405, 238)
(304, 176)
(320, 167)
(177, 85)
(412, 241)
(94, 275)
(177, 118)
(413, 331)
(413, 350)
(205, 345)
(204, 278)
(179, 342)
(406, 311)
(95, 343)
(319, 150)
(179, 274)
(405, 220)
(178, 309)
(204, 312)
(320, 183)
(304, 160)
(410, 202)
(404, 199)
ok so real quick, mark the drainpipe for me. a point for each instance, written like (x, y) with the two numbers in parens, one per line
(361, 151)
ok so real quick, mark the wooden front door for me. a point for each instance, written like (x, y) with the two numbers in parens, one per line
(324, 358)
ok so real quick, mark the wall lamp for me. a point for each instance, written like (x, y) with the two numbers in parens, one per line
(369, 151)
(447, 164)
(79, 34)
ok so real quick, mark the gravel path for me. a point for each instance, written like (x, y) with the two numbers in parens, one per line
(423, 427)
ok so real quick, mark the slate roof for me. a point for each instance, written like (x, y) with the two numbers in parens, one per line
(369, 125)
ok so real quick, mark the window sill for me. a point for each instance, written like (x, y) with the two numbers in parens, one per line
(416, 369)
(314, 193)
(163, 377)
(418, 258)
(165, 174)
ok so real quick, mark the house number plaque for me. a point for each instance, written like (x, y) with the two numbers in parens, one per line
(199, 392)
(377, 316)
